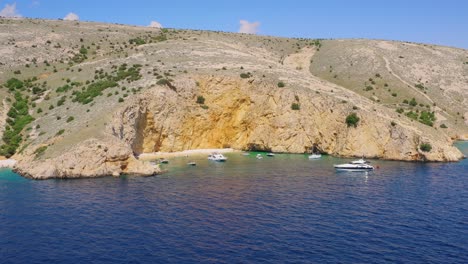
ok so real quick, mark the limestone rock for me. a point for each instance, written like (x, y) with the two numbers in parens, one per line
(90, 158)
(252, 115)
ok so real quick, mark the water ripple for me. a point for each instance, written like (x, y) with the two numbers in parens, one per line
(285, 209)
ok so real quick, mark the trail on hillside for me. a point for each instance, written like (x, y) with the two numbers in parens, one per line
(300, 61)
(387, 65)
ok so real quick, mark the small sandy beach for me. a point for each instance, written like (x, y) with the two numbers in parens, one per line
(7, 163)
(185, 153)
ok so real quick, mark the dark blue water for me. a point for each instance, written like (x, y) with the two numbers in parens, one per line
(285, 209)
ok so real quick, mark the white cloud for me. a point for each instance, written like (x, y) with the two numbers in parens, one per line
(34, 3)
(249, 28)
(9, 11)
(71, 17)
(155, 24)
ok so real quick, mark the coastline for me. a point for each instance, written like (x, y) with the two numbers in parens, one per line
(185, 153)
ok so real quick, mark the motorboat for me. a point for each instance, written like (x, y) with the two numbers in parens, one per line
(217, 157)
(270, 154)
(315, 156)
(164, 161)
(192, 163)
(359, 164)
(245, 154)
(259, 156)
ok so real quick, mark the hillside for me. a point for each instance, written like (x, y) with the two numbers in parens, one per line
(88, 97)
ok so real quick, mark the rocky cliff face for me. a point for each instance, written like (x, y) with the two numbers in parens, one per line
(90, 158)
(252, 115)
(242, 114)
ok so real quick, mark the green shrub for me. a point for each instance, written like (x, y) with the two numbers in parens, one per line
(61, 101)
(200, 99)
(40, 151)
(83, 50)
(245, 75)
(162, 82)
(69, 119)
(427, 118)
(295, 106)
(160, 38)
(281, 84)
(419, 86)
(426, 147)
(413, 102)
(138, 41)
(412, 115)
(93, 90)
(60, 132)
(14, 84)
(369, 88)
(63, 89)
(121, 100)
(393, 123)
(443, 126)
(352, 120)
(400, 110)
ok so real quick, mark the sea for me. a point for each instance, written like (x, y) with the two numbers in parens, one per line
(282, 209)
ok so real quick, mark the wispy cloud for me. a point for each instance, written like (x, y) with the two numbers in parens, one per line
(248, 27)
(155, 24)
(34, 3)
(71, 17)
(9, 11)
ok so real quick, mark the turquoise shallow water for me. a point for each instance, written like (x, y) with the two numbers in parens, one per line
(282, 209)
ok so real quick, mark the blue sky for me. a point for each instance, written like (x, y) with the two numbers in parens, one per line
(437, 22)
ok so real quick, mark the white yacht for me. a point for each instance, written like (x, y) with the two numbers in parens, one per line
(359, 164)
(270, 154)
(259, 156)
(217, 157)
(315, 156)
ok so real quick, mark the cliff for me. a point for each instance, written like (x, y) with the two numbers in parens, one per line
(253, 115)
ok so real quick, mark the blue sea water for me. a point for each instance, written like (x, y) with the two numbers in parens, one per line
(285, 209)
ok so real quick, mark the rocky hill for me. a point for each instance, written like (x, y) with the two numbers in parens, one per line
(83, 99)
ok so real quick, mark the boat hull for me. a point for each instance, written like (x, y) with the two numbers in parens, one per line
(354, 168)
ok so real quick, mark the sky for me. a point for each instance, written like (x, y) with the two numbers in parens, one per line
(430, 21)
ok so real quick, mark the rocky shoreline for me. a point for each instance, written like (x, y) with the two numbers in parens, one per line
(89, 159)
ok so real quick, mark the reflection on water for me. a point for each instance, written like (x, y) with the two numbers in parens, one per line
(279, 209)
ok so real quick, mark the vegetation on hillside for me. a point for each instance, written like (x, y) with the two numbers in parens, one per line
(107, 81)
(352, 120)
(18, 118)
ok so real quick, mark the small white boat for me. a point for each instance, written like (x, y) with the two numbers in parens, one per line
(259, 156)
(245, 154)
(164, 161)
(270, 154)
(217, 157)
(357, 165)
(315, 156)
(192, 163)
